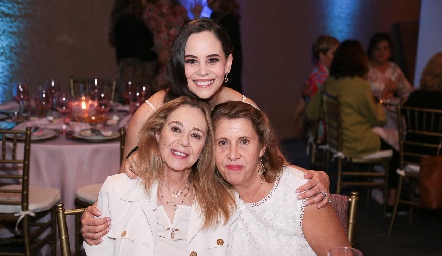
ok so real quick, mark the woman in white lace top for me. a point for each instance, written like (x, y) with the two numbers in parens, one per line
(385, 77)
(272, 221)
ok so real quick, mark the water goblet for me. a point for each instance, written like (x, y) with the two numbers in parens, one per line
(103, 102)
(43, 101)
(21, 92)
(64, 107)
(344, 251)
(53, 87)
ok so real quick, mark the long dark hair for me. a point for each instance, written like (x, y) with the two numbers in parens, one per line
(175, 70)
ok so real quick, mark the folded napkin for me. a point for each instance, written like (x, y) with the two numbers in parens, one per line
(57, 124)
(77, 127)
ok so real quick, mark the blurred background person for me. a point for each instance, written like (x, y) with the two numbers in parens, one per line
(323, 50)
(429, 96)
(360, 112)
(164, 18)
(226, 14)
(386, 79)
(133, 43)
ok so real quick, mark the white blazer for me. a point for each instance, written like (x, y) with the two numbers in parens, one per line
(134, 222)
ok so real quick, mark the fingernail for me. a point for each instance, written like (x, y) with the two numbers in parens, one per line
(298, 197)
(297, 191)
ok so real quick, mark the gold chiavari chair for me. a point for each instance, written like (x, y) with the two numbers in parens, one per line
(366, 175)
(30, 208)
(420, 135)
(87, 195)
(346, 209)
(63, 227)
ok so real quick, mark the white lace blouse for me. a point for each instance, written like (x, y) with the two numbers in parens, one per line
(273, 226)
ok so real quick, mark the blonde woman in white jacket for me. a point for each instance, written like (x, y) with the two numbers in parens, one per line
(177, 205)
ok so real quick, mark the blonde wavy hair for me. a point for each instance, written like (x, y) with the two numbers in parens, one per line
(217, 203)
(431, 78)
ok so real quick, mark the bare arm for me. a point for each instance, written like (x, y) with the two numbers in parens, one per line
(317, 189)
(323, 230)
(137, 121)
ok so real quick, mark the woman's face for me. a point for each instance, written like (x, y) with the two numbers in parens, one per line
(381, 53)
(205, 64)
(182, 138)
(237, 152)
(327, 58)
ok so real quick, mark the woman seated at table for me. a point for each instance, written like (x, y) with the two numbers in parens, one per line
(430, 97)
(272, 221)
(386, 79)
(177, 205)
(360, 112)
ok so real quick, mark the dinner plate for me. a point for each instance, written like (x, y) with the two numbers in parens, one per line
(40, 134)
(3, 116)
(86, 135)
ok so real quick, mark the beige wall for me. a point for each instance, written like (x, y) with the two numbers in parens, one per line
(70, 38)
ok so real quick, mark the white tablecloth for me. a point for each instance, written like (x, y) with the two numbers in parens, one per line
(66, 164)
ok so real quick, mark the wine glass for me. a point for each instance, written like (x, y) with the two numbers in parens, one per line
(64, 107)
(53, 87)
(93, 89)
(344, 251)
(103, 102)
(21, 96)
(127, 90)
(43, 101)
(21, 92)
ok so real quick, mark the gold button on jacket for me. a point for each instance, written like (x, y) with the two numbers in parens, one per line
(219, 242)
(123, 234)
(193, 254)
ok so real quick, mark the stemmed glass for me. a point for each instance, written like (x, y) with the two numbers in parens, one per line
(64, 107)
(21, 96)
(43, 101)
(21, 92)
(53, 87)
(344, 251)
(103, 102)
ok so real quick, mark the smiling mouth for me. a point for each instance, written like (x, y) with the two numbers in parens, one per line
(179, 153)
(204, 83)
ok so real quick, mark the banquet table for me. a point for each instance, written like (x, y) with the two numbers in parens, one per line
(68, 163)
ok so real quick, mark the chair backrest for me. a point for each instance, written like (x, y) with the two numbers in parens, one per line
(82, 86)
(122, 142)
(346, 208)
(333, 119)
(63, 228)
(420, 134)
(15, 168)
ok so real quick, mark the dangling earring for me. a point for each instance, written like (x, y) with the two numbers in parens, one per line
(261, 170)
(226, 79)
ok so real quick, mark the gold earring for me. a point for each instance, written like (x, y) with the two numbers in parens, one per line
(261, 170)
